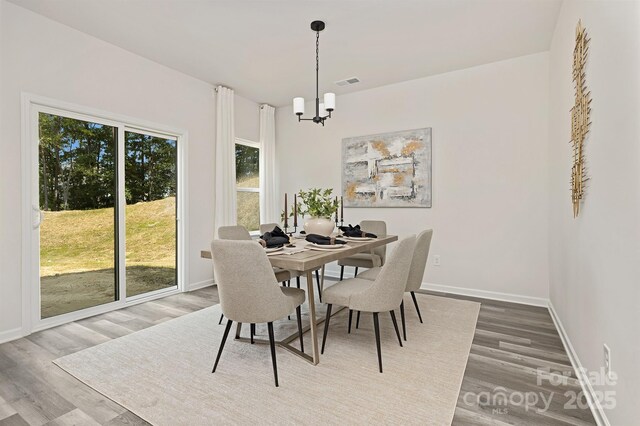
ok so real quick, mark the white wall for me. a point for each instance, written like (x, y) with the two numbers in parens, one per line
(594, 259)
(490, 201)
(46, 58)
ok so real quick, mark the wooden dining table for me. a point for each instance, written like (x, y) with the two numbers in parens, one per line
(306, 260)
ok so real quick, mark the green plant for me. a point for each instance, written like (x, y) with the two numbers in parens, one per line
(316, 202)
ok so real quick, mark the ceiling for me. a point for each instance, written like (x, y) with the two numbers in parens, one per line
(265, 49)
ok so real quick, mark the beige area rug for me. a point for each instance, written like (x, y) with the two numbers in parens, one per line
(163, 373)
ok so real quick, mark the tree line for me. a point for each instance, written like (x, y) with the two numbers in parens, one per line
(77, 165)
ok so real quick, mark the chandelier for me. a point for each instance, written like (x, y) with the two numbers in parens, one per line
(323, 109)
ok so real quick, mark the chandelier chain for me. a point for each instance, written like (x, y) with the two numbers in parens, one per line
(317, 59)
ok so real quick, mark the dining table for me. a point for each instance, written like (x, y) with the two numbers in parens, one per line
(306, 258)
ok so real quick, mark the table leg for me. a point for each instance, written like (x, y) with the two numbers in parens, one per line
(322, 279)
(312, 318)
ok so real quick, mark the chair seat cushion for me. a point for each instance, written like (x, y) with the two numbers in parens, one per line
(295, 294)
(340, 293)
(361, 260)
(370, 274)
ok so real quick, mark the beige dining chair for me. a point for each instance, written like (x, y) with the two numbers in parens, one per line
(416, 273)
(371, 259)
(238, 232)
(384, 294)
(249, 292)
(268, 227)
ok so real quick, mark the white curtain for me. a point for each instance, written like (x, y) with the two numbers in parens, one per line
(225, 196)
(268, 192)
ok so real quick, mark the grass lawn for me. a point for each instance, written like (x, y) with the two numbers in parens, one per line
(77, 254)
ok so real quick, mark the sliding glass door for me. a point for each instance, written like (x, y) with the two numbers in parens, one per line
(107, 209)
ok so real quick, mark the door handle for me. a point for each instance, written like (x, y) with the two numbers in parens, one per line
(37, 220)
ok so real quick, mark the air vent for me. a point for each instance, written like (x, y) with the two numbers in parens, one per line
(348, 81)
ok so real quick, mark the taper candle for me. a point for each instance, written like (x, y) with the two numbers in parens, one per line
(341, 209)
(295, 210)
(285, 210)
(336, 210)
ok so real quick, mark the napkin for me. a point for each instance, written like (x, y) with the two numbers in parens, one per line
(275, 238)
(355, 231)
(323, 241)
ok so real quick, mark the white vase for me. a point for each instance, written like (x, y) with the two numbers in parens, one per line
(319, 226)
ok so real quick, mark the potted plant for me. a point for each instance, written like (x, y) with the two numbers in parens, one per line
(319, 205)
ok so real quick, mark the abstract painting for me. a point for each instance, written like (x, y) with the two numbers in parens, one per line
(387, 170)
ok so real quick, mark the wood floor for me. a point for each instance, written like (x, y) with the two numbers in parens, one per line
(511, 343)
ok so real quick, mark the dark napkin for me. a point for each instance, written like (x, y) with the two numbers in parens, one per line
(323, 241)
(274, 239)
(355, 231)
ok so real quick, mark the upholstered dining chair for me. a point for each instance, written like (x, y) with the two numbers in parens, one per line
(249, 292)
(268, 227)
(416, 273)
(367, 260)
(238, 232)
(384, 294)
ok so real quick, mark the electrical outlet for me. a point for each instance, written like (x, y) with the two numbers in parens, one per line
(436, 260)
(607, 361)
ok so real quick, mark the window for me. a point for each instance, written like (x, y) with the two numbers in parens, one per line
(248, 184)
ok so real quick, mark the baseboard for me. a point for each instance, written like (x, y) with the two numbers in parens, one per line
(199, 285)
(485, 294)
(9, 335)
(594, 403)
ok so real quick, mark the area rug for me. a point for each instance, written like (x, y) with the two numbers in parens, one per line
(163, 373)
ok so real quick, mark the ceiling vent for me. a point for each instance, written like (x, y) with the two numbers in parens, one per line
(348, 81)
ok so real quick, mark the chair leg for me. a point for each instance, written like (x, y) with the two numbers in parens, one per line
(298, 282)
(318, 284)
(404, 325)
(326, 327)
(253, 331)
(350, 316)
(341, 272)
(224, 339)
(415, 302)
(358, 320)
(221, 318)
(376, 326)
(355, 274)
(299, 315)
(272, 343)
(395, 325)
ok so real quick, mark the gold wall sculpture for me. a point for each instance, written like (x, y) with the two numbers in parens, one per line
(580, 118)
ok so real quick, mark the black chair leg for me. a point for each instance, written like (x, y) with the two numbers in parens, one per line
(404, 325)
(376, 326)
(272, 343)
(326, 327)
(350, 316)
(318, 284)
(415, 302)
(224, 339)
(299, 315)
(395, 325)
(298, 282)
(221, 318)
(341, 272)
(355, 274)
(358, 320)
(253, 331)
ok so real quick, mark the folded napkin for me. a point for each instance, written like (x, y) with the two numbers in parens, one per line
(274, 239)
(323, 241)
(355, 231)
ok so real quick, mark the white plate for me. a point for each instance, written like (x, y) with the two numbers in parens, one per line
(358, 238)
(273, 249)
(326, 247)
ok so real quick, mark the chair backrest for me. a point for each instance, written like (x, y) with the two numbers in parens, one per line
(247, 287)
(387, 290)
(419, 261)
(378, 227)
(267, 227)
(235, 232)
